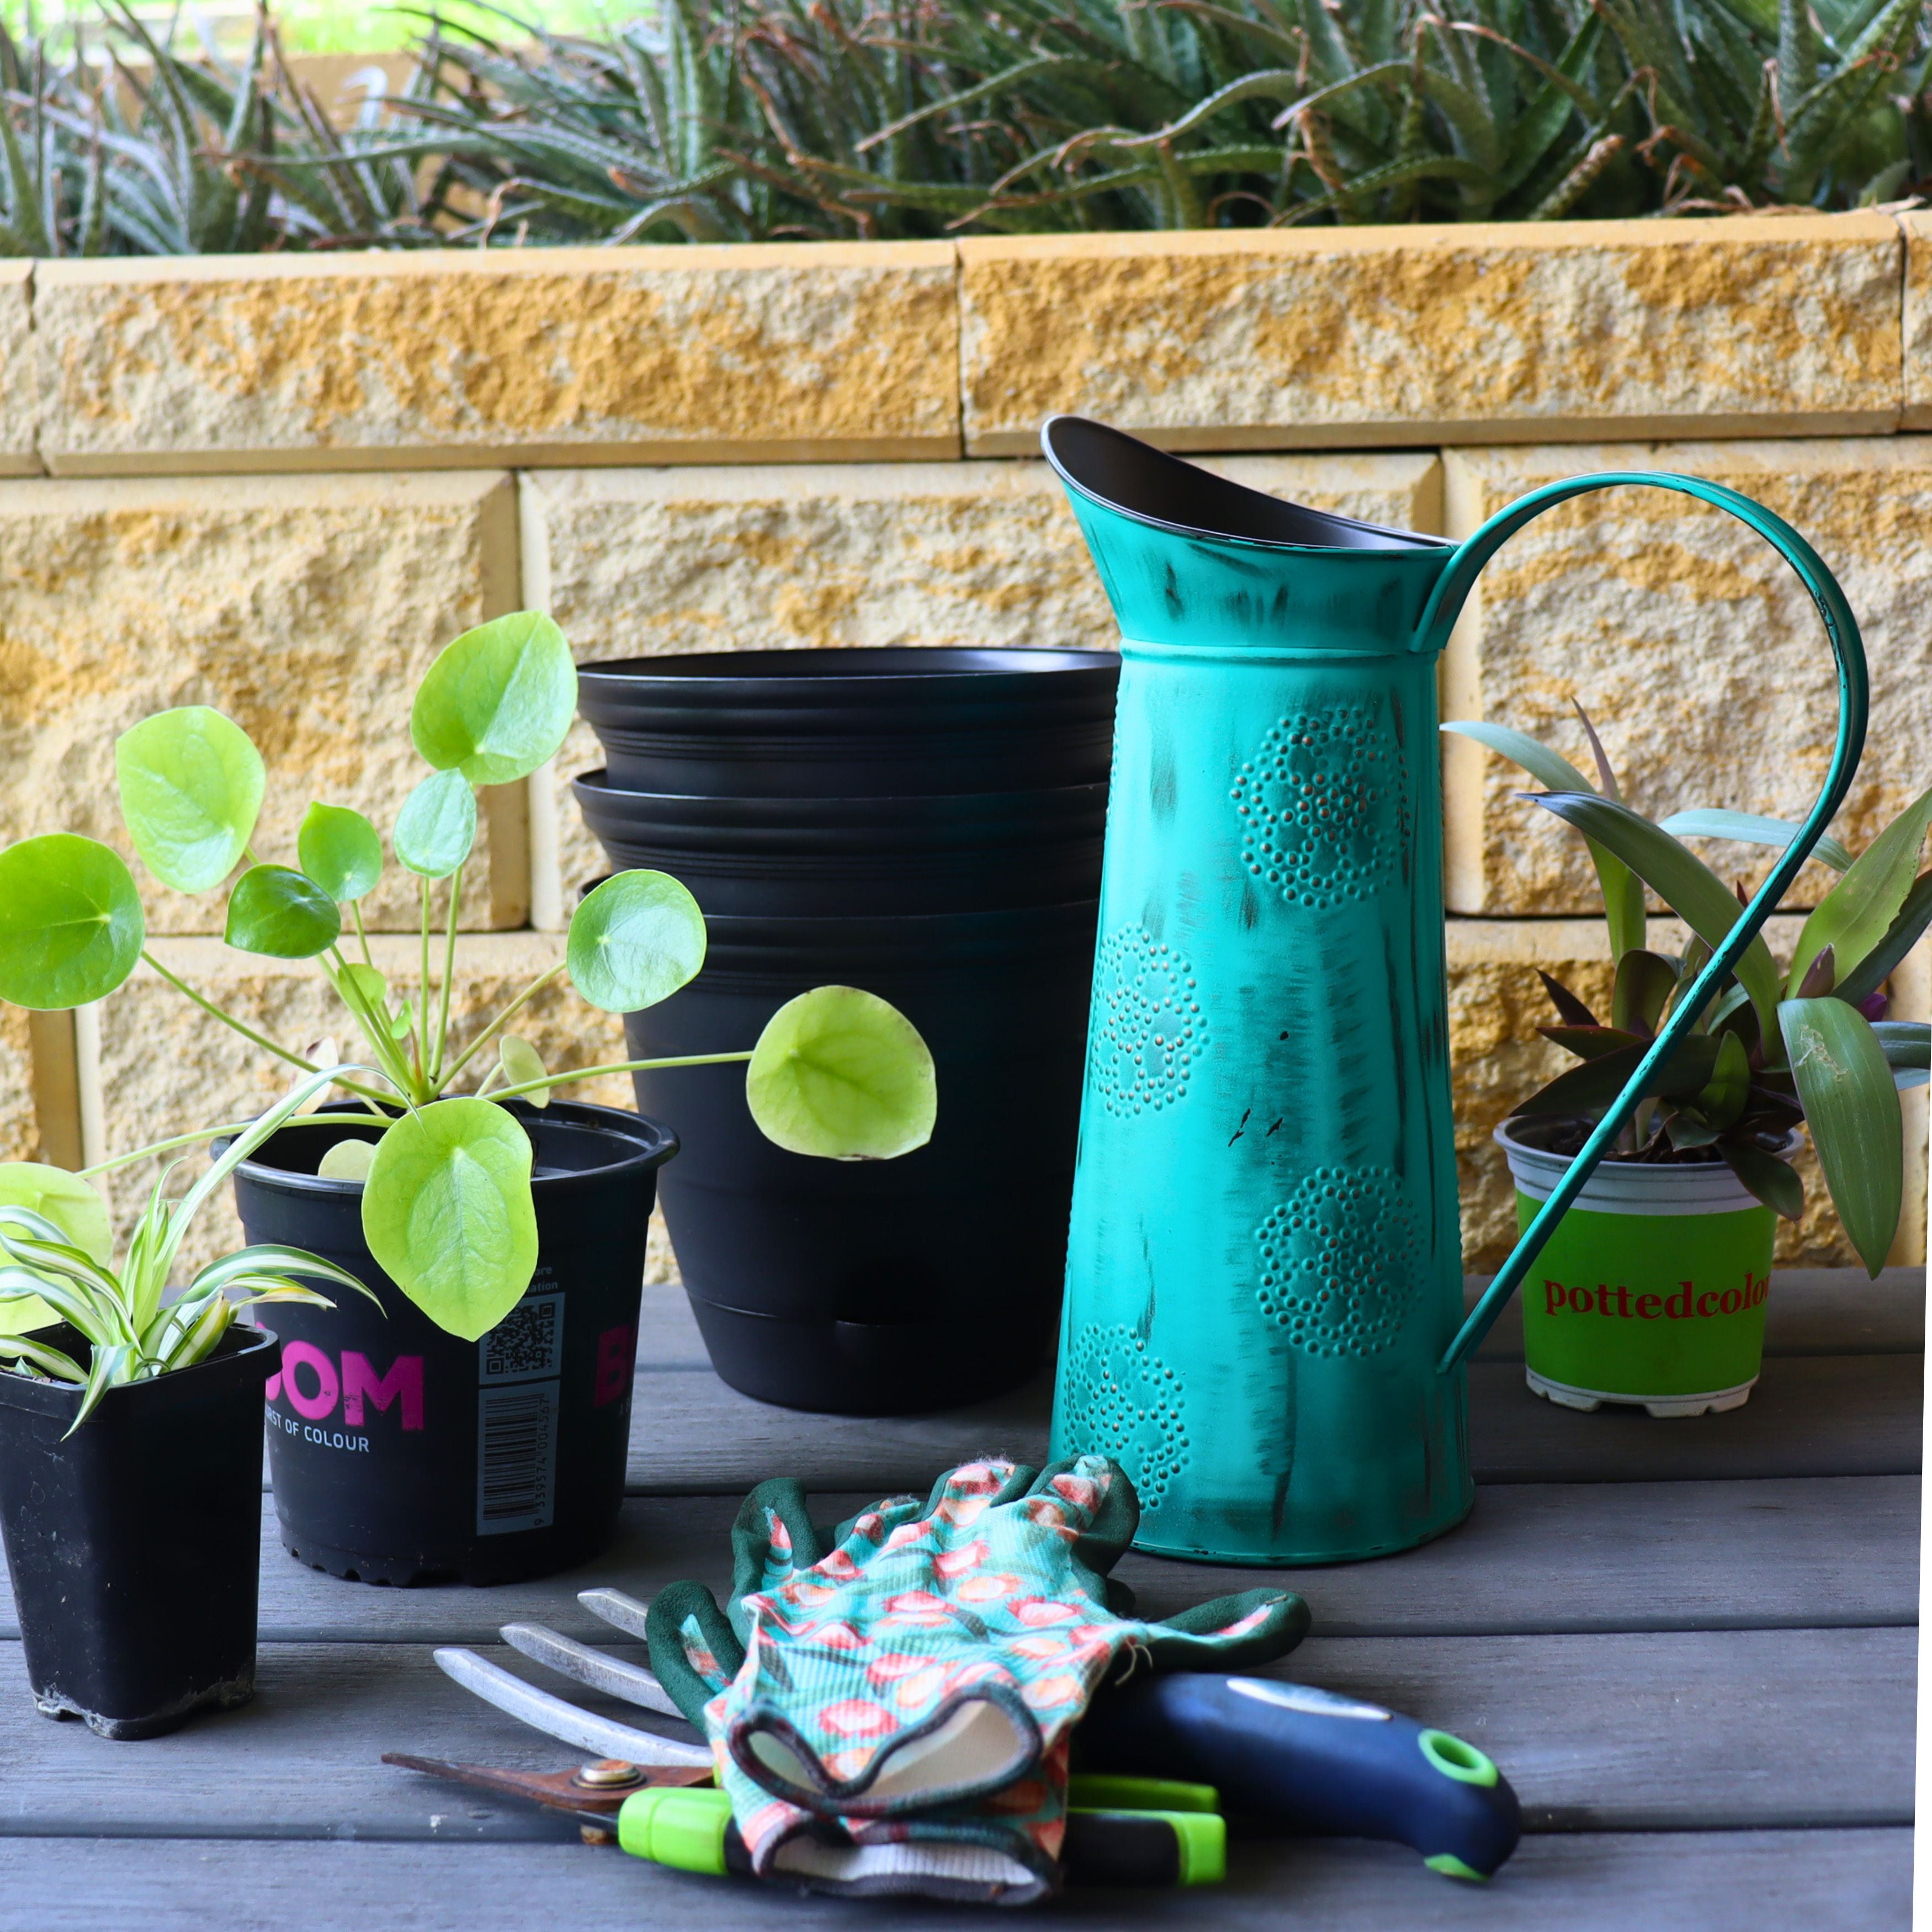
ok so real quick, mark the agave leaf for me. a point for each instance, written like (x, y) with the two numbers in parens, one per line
(1748, 828)
(1855, 916)
(1851, 1106)
(1862, 980)
(1772, 1180)
(1679, 877)
(1645, 982)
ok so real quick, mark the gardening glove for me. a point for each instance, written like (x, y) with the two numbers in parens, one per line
(889, 1704)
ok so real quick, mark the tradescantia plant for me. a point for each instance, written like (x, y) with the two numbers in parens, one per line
(1770, 1050)
(57, 1265)
(446, 1206)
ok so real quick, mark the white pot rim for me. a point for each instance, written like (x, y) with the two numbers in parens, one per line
(1632, 1187)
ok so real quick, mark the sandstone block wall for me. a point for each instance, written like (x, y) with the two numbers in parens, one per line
(685, 449)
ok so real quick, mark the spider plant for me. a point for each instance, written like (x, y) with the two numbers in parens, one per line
(1771, 1049)
(56, 1264)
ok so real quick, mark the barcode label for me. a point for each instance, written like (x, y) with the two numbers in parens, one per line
(527, 1342)
(516, 1458)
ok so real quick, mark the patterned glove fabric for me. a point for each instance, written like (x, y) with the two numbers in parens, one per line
(889, 1704)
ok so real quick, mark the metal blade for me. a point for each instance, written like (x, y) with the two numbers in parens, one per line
(612, 1676)
(615, 1607)
(543, 1712)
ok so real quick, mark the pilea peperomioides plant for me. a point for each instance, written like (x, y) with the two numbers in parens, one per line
(1811, 1045)
(446, 1205)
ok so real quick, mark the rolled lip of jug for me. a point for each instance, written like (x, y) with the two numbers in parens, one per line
(1132, 478)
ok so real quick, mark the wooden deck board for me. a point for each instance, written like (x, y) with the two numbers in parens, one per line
(1638, 1620)
(1835, 1881)
(1841, 1415)
(1607, 1732)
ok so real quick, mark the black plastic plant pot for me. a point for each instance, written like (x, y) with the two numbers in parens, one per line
(402, 1454)
(894, 720)
(882, 1287)
(813, 857)
(135, 1544)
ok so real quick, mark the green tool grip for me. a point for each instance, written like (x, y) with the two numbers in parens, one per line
(689, 1828)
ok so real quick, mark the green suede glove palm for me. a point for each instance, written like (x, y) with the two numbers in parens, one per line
(909, 1680)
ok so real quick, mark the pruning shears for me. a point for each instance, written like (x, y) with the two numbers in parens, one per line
(653, 1795)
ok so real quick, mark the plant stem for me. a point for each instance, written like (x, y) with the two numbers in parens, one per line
(496, 1025)
(618, 1066)
(375, 1029)
(356, 913)
(448, 974)
(212, 1134)
(418, 1044)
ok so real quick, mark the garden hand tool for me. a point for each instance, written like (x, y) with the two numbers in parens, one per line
(911, 1680)
(1263, 1320)
(1303, 1760)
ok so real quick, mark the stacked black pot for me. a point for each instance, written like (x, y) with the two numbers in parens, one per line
(926, 823)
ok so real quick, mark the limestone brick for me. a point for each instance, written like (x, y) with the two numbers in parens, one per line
(306, 608)
(774, 352)
(644, 562)
(20, 389)
(1496, 1002)
(1348, 336)
(19, 1126)
(167, 1068)
(1693, 646)
(1917, 320)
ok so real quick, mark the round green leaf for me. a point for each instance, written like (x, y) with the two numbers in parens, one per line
(278, 911)
(842, 1074)
(347, 1160)
(191, 786)
(496, 702)
(634, 941)
(437, 825)
(340, 850)
(73, 1205)
(70, 922)
(447, 1213)
(521, 1061)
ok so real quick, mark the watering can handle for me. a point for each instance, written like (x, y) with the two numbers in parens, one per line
(1841, 627)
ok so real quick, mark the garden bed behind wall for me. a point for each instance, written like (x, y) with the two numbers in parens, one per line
(278, 486)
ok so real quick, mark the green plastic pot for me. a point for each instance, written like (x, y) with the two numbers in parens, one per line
(1652, 1289)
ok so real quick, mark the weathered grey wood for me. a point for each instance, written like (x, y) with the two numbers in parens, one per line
(1848, 1881)
(1841, 1415)
(1534, 1557)
(1810, 1312)
(1676, 1731)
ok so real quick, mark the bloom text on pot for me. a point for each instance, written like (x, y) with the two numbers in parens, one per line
(356, 1385)
(1687, 1304)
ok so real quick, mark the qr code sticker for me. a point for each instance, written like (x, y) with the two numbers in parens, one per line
(527, 1342)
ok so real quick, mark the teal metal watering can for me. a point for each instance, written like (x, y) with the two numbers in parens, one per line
(1264, 1312)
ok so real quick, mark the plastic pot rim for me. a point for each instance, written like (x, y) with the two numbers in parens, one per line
(654, 1142)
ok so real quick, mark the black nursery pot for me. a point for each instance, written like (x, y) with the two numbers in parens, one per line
(400, 1454)
(882, 1287)
(808, 857)
(896, 720)
(135, 1545)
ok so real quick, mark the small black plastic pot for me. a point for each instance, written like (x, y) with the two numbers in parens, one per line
(134, 1545)
(896, 720)
(401, 1454)
(882, 1287)
(783, 857)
